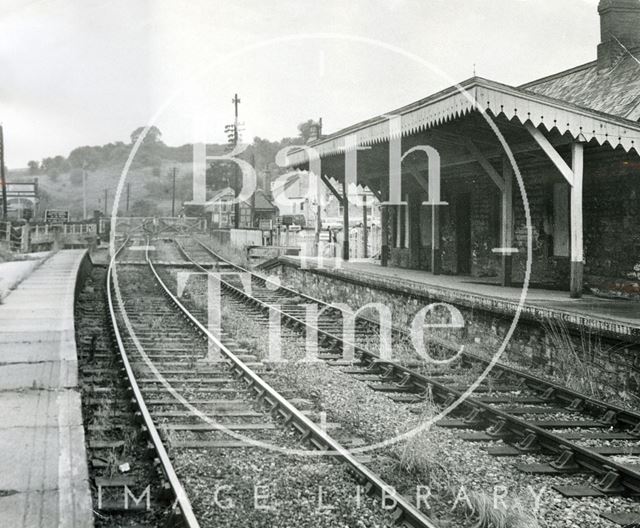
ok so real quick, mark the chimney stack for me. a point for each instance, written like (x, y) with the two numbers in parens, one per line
(619, 26)
(315, 130)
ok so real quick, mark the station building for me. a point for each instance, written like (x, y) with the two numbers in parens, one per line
(220, 209)
(574, 138)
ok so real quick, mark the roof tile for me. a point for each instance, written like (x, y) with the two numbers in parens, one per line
(616, 92)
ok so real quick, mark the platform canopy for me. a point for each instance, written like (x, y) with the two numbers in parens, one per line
(498, 101)
(472, 123)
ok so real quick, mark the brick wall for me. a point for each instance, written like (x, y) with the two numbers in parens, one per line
(611, 225)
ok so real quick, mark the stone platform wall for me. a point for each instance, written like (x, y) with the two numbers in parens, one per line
(543, 343)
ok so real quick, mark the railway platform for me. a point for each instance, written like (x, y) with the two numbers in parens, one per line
(618, 318)
(43, 468)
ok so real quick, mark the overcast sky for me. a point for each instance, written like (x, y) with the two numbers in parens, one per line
(87, 72)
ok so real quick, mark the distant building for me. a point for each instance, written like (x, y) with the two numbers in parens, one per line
(221, 209)
(294, 199)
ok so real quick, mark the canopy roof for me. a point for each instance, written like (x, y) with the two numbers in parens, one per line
(495, 100)
(616, 92)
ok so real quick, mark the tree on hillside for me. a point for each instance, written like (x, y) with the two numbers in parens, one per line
(34, 167)
(115, 152)
(153, 135)
(75, 177)
(54, 166)
(264, 151)
(88, 158)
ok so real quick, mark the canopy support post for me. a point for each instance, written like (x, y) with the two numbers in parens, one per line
(345, 223)
(577, 250)
(573, 175)
(507, 222)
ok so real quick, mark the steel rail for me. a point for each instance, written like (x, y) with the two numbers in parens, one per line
(311, 432)
(559, 392)
(504, 424)
(181, 500)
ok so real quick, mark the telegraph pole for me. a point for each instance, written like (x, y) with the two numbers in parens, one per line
(236, 208)
(105, 202)
(173, 194)
(3, 181)
(236, 101)
(128, 193)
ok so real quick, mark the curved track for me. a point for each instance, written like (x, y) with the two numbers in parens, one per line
(181, 504)
(170, 385)
(528, 413)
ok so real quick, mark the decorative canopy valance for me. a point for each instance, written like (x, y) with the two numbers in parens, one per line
(495, 99)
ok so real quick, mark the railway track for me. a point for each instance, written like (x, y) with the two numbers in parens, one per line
(219, 408)
(181, 512)
(117, 451)
(528, 414)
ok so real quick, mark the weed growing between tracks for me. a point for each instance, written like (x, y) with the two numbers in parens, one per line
(432, 457)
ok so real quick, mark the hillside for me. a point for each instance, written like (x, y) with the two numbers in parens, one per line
(148, 182)
(150, 189)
